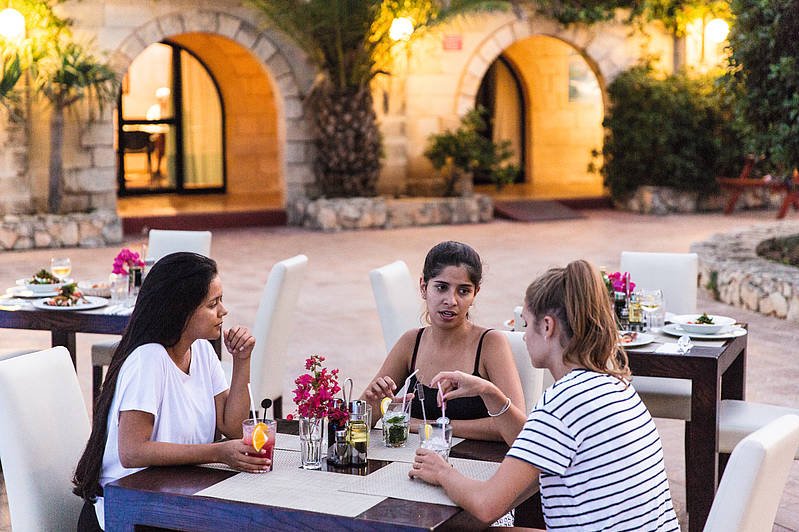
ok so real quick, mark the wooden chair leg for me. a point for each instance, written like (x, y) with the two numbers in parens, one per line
(735, 194)
(97, 382)
(786, 203)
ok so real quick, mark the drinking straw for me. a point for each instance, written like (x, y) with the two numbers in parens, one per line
(404, 388)
(252, 403)
(443, 402)
(420, 393)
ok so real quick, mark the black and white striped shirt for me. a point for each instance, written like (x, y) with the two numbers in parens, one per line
(600, 457)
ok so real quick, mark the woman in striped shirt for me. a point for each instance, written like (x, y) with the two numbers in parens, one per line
(590, 442)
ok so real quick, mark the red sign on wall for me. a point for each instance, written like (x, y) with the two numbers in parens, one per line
(453, 42)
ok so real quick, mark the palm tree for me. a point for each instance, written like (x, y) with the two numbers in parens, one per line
(10, 72)
(348, 40)
(65, 75)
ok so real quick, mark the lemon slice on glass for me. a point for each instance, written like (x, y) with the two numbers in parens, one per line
(260, 435)
(428, 431)
(384, 405)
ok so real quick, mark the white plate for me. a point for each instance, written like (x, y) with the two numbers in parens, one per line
(675, 330)
(689, 324)
(641, 339)
(21, 291)
(90, 303)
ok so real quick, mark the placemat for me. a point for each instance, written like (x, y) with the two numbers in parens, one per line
(287, 442)
(377, 450)
(298, 489)
(280, 460)
(393, 481)
(661, 339)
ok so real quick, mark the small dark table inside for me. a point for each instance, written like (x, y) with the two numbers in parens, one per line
(163, 498)
(716, 373)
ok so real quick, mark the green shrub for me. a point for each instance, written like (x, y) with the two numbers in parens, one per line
(466, 151)
(673, 131)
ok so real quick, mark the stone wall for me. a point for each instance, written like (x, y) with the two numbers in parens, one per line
(665, 200)
(89, 230)
(386, 213)
(731, 271)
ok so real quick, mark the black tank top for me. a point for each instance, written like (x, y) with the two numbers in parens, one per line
(460, 408)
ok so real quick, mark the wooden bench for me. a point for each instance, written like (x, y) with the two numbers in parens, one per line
(736, 185)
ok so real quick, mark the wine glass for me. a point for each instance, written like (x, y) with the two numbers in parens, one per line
(652, 305)
(61, 267)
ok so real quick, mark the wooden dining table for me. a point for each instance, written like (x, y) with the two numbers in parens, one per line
(715, 373)
(164, 498)
(62, 324)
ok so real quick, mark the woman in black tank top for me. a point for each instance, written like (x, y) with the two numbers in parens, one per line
(450, 281)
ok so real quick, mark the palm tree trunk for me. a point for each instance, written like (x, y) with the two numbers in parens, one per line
(348, 142)
(55, 188)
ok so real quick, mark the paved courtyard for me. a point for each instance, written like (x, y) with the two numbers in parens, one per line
(337, 317)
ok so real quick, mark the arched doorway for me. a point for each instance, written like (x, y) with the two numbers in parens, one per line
(223, 110)
(170, 125)
(546, 99)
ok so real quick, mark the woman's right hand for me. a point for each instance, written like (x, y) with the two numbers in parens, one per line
(242, 457)
(456, 384)
(379, 388)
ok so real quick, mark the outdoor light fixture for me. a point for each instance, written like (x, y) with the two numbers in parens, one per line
(162, 93)
(716, 30)
(12, 24)
(401, 29)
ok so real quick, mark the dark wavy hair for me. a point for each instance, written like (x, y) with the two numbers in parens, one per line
(172, 290)
(451, 253)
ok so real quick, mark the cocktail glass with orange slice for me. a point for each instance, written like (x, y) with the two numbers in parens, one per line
(260, 435)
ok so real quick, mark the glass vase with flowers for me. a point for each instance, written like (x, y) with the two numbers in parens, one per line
(315, 400)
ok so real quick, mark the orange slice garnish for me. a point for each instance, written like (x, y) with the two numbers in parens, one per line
(260, 435)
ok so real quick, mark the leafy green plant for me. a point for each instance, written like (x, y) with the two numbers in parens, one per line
(764, 70)
(675, 131)
(461, 153)
(348, 41)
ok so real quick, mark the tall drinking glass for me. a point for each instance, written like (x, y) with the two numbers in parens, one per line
(396, 421)
(652, 305)
(260, 433)
(436, 437)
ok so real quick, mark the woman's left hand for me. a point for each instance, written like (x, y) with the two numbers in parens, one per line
(239, 342)
(429, 466)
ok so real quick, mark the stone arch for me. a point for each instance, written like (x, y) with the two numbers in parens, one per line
(599, 56)
(284, 65)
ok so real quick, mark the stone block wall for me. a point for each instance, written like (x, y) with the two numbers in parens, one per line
(89, 230)
(665, 200)
(731, 271)
(386, 213)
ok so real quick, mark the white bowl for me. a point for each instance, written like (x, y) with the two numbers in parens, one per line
(687, 322)
(43, 288)
(95, 288)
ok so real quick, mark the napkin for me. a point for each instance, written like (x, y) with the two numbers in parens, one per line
(668, 349)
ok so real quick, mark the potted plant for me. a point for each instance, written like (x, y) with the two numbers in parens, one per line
(458, 155)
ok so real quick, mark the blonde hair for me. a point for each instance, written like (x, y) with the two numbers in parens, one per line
(577, 298)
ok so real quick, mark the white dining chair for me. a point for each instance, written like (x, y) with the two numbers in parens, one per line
(532, 378)
(160, 243)
(750, 490)
(44, 427)
(273, 322)
(398, 301)
(676, 275)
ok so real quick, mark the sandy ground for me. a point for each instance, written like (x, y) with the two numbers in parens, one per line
(336, 313)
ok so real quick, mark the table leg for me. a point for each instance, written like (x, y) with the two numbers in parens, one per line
(702, 442)
(66, 339)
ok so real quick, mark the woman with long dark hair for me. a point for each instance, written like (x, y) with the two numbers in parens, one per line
(165, 398)
(590, 441)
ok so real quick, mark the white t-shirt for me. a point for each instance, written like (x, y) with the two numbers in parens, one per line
(183, 404)
(600, 457)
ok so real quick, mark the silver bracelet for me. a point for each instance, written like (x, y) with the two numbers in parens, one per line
(501, 410)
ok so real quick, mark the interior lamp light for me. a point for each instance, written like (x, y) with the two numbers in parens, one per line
(401, 29)
(12, 24)
(717, 30)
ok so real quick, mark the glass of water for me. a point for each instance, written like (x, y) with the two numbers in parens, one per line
(436, 437)
(652, 305)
